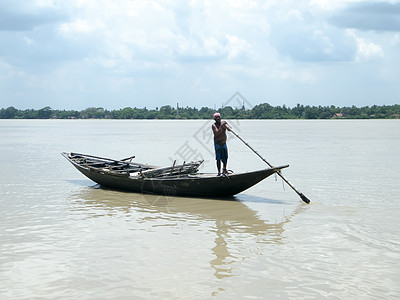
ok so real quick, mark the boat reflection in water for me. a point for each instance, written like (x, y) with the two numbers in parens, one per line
(230, 222)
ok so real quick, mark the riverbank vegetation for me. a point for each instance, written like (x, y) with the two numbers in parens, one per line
(261, 111)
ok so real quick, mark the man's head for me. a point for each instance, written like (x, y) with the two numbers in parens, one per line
(217, 116)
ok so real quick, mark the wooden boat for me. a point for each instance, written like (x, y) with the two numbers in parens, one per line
(177, 180)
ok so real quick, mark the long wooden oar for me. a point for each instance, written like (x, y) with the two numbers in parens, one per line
(302, 196)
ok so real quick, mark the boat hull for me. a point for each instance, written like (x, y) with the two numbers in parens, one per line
(192, 185)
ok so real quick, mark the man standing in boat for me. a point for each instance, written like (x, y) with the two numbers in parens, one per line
(221, 150)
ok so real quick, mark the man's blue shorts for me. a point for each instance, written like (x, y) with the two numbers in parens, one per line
(221, 152)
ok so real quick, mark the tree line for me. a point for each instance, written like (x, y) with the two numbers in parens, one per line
(261, 111)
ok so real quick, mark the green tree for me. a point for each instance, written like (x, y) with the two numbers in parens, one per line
(261, 111)
(92, 113)
(8, 113)
(167, 112)
(311, 112)
(45, 113)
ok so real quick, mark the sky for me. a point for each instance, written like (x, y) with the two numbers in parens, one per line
(113, 54)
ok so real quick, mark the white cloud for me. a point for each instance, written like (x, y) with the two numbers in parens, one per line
(366, 50)
(80, 26)
(294, 14)
(238, 47)
(28, 41)
(8, 71)
(199, 47)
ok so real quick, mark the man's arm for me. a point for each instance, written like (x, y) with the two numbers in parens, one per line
(226, 126)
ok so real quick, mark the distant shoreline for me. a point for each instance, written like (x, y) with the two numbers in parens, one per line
(262, 111)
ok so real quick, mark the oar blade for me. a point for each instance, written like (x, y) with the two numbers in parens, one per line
(304, 198)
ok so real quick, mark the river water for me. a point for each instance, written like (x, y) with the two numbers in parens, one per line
(64, 237)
